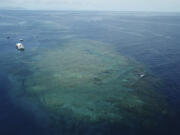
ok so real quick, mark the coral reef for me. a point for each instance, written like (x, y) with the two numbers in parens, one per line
(92, 81)
(86, 81)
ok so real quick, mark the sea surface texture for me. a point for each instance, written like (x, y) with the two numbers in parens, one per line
(89, 73)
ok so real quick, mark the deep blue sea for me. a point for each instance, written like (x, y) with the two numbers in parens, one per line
(150, 39)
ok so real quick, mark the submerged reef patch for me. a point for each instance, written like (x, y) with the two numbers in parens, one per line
(89, 81)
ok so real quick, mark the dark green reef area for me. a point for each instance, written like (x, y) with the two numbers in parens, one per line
(86, 87)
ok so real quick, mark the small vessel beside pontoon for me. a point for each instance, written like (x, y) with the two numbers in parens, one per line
(21, 40)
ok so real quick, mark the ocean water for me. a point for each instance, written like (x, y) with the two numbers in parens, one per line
(89, 73)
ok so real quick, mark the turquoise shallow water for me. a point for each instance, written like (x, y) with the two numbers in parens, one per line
(89, 73)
